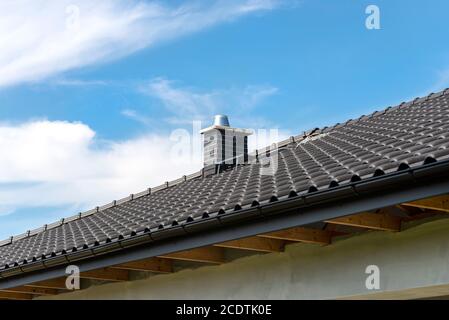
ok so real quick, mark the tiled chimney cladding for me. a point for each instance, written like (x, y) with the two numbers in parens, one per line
(224, 146)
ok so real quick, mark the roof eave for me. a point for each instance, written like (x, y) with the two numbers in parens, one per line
(404, 186)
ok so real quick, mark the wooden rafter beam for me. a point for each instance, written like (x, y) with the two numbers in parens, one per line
(58, 283)
(157, 265)
(205, 254)
(32, 290)
(15, 296)
(106, 274)
(301, 234)
(254, 244)
(409, 211)
(370, 221)
(440, 203)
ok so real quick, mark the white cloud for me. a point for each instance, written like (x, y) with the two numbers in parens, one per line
(187, 104)
(253, 95)
(40, 38)
(79, 83)
(55, 163)
(134, 115)
(442, 81)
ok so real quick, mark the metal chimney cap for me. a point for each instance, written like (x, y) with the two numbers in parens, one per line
(221, 120)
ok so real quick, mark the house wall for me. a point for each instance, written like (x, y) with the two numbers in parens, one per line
(412, 263)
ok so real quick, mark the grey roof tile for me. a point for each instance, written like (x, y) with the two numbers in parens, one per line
(398, 137)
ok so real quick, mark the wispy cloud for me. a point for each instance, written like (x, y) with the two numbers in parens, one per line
(134, 115)
(40, 38)
(186, 103)
(442, 80)
(79, 82)
(253, 95)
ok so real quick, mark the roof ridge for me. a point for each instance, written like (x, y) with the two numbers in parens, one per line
(376, 113)
(292, 139)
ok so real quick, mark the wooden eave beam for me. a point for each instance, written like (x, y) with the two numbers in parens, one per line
(15, 296)
(369, 221)
(106, 274)
(440, 203)
(58, 283)
(158, 265)
(300, 234)
(210, 254)
(32, 290)
(254, 244)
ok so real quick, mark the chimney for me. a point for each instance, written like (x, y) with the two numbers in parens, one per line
(224, 146)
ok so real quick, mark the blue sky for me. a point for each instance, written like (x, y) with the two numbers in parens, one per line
(90, 94)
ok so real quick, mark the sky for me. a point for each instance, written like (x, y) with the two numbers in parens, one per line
(100, 100)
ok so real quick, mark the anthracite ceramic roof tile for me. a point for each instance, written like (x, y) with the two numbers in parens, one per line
(398, 137)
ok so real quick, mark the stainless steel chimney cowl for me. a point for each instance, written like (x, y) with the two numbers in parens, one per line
(221, 120)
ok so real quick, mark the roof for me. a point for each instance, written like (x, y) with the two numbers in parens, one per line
(410, 135)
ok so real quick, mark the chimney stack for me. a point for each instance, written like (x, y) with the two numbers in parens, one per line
(224, 146)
